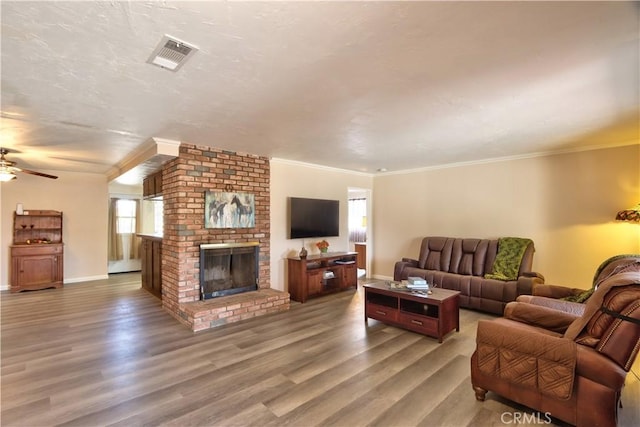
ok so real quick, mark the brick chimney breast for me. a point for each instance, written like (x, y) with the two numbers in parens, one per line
(185, 180)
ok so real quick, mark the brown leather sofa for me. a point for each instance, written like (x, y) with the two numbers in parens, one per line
(460, 264)
(566, 360)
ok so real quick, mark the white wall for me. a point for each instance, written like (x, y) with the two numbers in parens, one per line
(82, 198)
(131, 190)
(566, 203)
(291, 179)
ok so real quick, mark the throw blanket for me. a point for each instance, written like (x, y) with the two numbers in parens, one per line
(509, 257)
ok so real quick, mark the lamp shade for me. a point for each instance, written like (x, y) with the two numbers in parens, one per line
(631, 215)
(6, 175)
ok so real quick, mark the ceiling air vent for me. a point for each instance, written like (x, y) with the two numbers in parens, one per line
(171, 53)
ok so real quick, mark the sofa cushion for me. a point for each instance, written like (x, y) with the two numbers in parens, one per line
(435, 254)
(592, 322)
(617, 300)
(539, 315)
(468, 256)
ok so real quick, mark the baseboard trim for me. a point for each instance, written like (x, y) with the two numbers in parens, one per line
(73, 280)
(86, 279)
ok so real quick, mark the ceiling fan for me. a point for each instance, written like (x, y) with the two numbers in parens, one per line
(8, 169)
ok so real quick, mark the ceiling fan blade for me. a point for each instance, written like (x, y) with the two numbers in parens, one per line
(9, 166)
(38, 173)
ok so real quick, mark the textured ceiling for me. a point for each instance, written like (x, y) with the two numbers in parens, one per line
(352, 85)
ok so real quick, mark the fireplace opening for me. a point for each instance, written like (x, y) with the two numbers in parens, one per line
(228, 268)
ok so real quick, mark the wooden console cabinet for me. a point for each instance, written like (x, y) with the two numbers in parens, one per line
(37, 254)
(321, 274)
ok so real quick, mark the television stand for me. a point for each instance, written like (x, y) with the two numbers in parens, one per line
(321, 274)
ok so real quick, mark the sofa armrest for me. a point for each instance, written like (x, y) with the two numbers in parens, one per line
(527, 282)
(533, 274)
(599, 368)
(400, 265)
(538, 315)
(555, 291)
(573, 308)
(528, 359)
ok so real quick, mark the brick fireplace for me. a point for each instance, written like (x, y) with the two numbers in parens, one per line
(185, 180)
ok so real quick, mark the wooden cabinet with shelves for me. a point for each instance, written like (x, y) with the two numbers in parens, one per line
(152, 264)
(37, 252)
(321, 274)
(152, 185)
(37, 226)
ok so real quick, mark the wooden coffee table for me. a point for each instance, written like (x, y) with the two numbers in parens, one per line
(434, 315)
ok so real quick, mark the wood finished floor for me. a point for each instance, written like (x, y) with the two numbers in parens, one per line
(105, 353)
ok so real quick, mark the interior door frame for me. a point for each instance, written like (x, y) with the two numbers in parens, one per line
(367, 194)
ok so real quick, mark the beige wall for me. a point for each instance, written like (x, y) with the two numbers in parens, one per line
(566, 203)
(290, 179)
(82, 197)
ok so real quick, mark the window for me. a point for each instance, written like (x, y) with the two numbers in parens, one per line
(158, 217)
(357, 220)
(126, 216)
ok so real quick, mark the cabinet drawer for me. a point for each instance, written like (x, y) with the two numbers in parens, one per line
(418, 323)
(381, 312)
(29, 250)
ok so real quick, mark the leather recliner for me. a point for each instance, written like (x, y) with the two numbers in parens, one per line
(564, 359)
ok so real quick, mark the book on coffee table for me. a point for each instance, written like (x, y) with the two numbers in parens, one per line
(424, 286)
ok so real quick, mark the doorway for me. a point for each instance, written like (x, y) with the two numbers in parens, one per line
(124, 243)
(359, 224)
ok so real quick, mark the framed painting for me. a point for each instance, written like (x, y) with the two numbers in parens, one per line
(229, 210)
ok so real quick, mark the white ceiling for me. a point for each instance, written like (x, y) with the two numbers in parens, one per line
(353, 85)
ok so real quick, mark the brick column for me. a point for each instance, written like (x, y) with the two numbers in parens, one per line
(185, 181)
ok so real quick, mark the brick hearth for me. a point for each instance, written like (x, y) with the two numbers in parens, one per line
(185, 180)
(220, 311)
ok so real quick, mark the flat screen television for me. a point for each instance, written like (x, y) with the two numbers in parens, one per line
(313, 218)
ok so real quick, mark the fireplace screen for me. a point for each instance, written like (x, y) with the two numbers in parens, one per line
(227, 269)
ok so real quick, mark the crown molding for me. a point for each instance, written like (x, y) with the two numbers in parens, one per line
(510, 158)
(319, 167)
